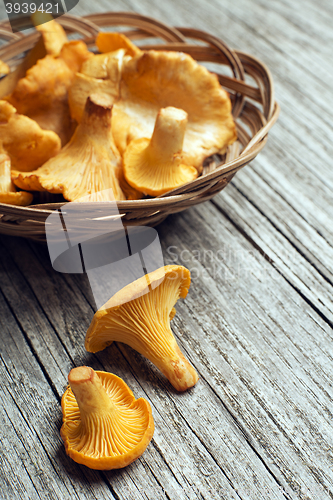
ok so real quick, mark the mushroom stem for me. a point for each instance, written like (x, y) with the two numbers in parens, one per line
(168, 136)
(178, 370)
(6, 184)
(97, 115)
(89, 392)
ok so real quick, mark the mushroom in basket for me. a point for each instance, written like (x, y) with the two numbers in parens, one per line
(139, 315)
(89, 163)
(104, 426)
(4, 68)
(154, 166)
(109, 42)
(27, 145)
(8, 193)
(101, 72)
(43, 93)
(53, 34)
(152, 80)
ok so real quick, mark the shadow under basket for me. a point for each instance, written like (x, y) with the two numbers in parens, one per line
(247, 80)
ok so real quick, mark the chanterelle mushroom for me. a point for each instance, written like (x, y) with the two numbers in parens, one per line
(141, 318)
(154, 80)
(54, 36)
(99, 74)
(89, 163)
(154, 166)
(4, 68)
(110, 41)
(24, 141)
(43, 93)
(104, 426)
(8, 193)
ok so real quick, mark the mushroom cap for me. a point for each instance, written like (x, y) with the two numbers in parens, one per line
(108, 435)
(156, 79)
(154, 166)
(100, 73)
(89, 163)
(27, 144)
(54, 36)
(8, 193)
(19, 198)
(43, 93)
(104, 66)
(108, 42)
(4, 68)
(139, 315)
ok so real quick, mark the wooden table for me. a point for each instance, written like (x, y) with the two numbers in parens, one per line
(257, 323)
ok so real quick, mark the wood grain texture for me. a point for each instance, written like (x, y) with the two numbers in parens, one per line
(257, 323)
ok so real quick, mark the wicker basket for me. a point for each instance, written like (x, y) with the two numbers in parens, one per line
(254, 111)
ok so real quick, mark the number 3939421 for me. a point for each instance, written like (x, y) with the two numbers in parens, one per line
(31, 8)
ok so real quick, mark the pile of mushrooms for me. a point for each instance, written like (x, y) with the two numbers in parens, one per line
(158, 114)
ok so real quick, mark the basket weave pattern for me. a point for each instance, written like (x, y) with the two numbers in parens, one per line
(253, 108)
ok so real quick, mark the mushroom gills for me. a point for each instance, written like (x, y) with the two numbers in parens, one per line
(142, 320)
(104, 426)
(154, 166)
(88, 164)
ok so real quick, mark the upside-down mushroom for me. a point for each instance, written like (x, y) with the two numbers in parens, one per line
(24, 141)
(156, 79)
(8, 193)
(89, 163)
(154, 166)
(104, 426)
(139, 315)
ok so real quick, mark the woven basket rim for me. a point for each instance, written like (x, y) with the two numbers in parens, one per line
(214, 49)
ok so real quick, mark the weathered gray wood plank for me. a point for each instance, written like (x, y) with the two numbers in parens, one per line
(276, 235)
(270, 341)
(165, 416)
(35, 464)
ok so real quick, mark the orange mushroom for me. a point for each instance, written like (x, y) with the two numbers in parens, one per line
(154, 166)
(110, 41)
(43, 93)
(156, 79)
(8, 193)
(24, 141)
(4, 68)
(53, 34)
(89, 163)
(104, 426)
(139, 315)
